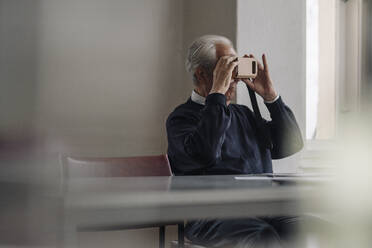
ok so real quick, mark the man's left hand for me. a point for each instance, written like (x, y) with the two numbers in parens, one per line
(262, 84)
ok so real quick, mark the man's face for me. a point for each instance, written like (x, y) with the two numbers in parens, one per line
(226, 50)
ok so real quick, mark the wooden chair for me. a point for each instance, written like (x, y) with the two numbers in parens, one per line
(75, 167)
(116, 167)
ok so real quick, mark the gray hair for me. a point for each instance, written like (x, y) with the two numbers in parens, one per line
(202, 52)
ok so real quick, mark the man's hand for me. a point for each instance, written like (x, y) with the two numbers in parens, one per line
(262, 84)
(222, 74)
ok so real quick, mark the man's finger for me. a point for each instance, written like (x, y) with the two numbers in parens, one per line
(232, 65)
(260, 67)
(225, 59)
(249, 83)
(219, 63)
(230, 59)
(266, 67)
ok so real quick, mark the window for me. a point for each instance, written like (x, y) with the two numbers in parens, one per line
(333, 59)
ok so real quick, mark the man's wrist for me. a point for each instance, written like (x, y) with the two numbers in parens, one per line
(270, 97)
(272, 101)
(217, 91)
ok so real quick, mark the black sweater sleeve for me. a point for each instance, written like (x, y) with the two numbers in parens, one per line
(200, 139)
(285, 133)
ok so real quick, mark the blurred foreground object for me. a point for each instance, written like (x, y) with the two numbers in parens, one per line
(29, 205)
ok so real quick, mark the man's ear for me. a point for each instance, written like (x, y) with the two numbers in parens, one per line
(201, 74)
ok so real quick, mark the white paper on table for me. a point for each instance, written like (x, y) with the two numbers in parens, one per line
(252, 178)
(309, 179)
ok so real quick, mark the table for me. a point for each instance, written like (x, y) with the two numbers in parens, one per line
(111, 203)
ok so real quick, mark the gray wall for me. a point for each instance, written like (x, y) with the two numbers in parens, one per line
(277, 28)
(111, 72)
(100, 77)
(18, 64)
(74, 65)
(207, 17)
(106, 70)
(93, 77)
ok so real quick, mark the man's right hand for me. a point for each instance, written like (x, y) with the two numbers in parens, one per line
(222, 74)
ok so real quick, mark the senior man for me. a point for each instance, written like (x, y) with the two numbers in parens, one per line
(208, 135)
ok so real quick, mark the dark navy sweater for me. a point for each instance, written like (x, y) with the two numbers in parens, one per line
(220, 139)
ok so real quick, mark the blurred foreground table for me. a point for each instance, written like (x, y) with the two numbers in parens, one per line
(111, 203)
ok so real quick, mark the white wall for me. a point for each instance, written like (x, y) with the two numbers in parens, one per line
(277, 28)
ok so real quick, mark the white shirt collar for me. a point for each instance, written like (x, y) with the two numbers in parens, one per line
(195, 97)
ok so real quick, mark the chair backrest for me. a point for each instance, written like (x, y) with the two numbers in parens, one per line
(115, 167)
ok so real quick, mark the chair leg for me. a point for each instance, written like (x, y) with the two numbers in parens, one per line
(162, 237)
(181, 235)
